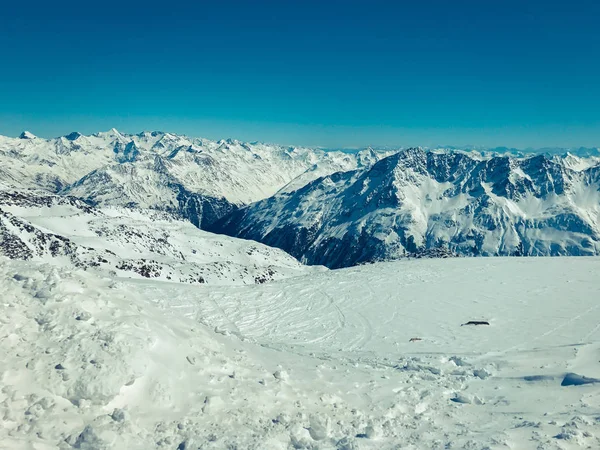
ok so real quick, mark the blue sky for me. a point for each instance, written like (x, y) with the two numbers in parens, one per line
(327, 73)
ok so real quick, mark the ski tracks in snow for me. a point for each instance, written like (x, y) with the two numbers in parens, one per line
(553, 330)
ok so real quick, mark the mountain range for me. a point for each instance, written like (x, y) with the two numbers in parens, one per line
(415, 200)
(331, 208)
(197, 179)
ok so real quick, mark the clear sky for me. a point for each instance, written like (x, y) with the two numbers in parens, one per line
(329, 73)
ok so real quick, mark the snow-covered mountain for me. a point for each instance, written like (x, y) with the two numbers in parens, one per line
(199, 179)
(136, 243)
(416, 200)
(334, 208)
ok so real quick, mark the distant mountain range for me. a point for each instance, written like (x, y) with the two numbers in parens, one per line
(582, 152)
(198, 179)
(335, 208)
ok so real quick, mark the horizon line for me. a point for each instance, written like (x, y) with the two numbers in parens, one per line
(469, 147)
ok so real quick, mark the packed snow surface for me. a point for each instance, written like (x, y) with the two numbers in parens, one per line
(372, 357)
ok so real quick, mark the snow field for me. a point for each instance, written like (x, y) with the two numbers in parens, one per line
(320, 362)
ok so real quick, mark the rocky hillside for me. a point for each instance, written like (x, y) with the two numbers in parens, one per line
(131, 243)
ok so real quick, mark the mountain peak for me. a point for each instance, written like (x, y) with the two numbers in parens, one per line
(73, 136)
(27, 135)
(113, 132)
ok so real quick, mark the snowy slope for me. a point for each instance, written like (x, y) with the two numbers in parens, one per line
(137, 243)
(417, 200)
(321, 362)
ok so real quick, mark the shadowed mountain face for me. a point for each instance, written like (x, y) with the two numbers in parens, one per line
(415, 201)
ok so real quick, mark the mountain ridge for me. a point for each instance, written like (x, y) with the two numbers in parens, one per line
(417, 200)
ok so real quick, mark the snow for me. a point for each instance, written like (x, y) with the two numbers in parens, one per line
(124, 327)
(100, 167)
(133, 242)
(27, 135)
(316, 361)
(414, 201)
